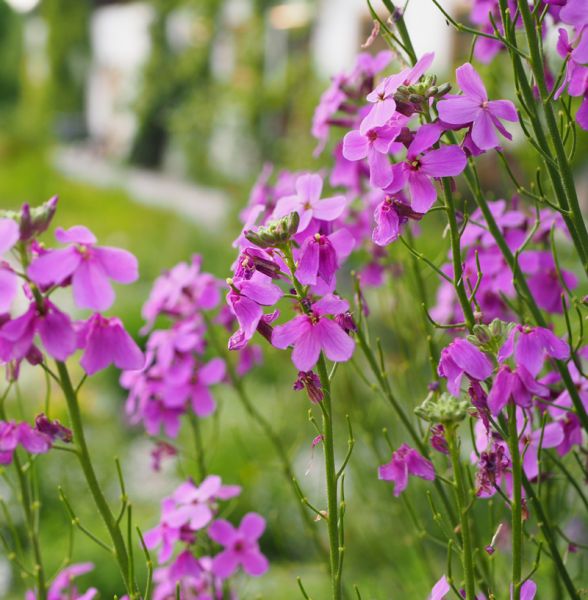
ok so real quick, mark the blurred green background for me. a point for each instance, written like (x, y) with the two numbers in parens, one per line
(104, 102)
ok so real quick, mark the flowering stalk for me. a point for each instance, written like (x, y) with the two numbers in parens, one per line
(84, 457)
(335, 550)
(27, 506)
(516, 502)
(463, 507)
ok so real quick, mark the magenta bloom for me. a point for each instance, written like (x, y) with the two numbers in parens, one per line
(63, 587)
(531, 345)
(423, 164)
(374, 145)
(106, 342)
(196, 388)
(90, 267)
(9, 234)
(389, 215)
(528, 590)
(321, 256)
(406, 461)
(462, 357)
(308, 204)
(575, 13)
(475, 108)
(309, 334)
(14, 434)
(440, 589)
(246, 298)
(519, 385)
(54, 328)
(530, 443)
(241, 546)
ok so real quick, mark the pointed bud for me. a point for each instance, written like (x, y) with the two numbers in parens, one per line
(442, 408)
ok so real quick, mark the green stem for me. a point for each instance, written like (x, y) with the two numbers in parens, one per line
(565, 174)
(331, 480)
(458, 282)
(467, 548)
(522, 286)
(27, 506)
(516, 505)
(198, 446)
(120, 550)
(273, 437)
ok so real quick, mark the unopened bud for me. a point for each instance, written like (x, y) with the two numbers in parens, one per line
(442, 408)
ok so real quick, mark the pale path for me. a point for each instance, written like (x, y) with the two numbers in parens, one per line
(204, 206)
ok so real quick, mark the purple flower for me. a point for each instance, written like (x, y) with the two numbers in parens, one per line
(389, 215)
(475, 108)
(9, 234)
(195, 388)
(463, 357)
(321, 255)
(240, 546)
(54, 429)
(246, 298)
(13, 434)
(551, 436)
(309, 334)
(531, 345)
(528, 590)
(90, 267)
(440, 589)
(518, 384)
(106, 342)
(63, 588)
(54, 328)
(406, 461)
(308, 204)
(374, 145)
(575, 13)
(422, 164)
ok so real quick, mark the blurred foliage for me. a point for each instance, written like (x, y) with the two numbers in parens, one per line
(10, 55)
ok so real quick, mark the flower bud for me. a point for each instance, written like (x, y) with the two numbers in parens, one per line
(490, 338)
(33, 221)
(276, 233)
(442, 408)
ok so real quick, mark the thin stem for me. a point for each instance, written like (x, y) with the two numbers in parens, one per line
(84, 457)
(516, 505)
(199, 447)
(331, 480)
(467, 549)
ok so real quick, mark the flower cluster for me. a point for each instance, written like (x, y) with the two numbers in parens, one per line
(189, 524)
(82, 265)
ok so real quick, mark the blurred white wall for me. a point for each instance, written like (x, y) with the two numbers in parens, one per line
(120, 42)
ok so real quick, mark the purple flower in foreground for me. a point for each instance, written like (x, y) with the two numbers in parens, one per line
(308, 203)
(575, 13)
(423, 164)
(62, 587)
(106, 342)
(440, 589)
(90, 267)
(475, 108)
(13, 434)
(528, 590)
(321, 256)
(240, 546)
(374, 145)
(9, 234)
(518, 384)
(406, 461)
(462, 357)
(309, 334)
(54, 328)
(530, 345)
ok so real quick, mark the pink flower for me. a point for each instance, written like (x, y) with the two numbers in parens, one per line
(575, 13)
(308, 204)
(528, 590)
(9, 234)
(106, 342)
(406, 461)
(518, 384)
(321, 256)
(475, 108)
(440, 589)
(309, 334)
(531, 345)
(463, 357)
(374, 145)
(90, 267)
(423, 164)
(241, 546)
(63, 588)
(13, 434)
(54, 328)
